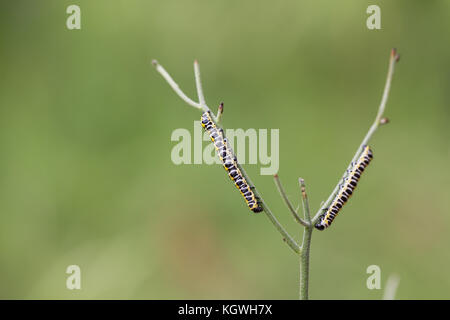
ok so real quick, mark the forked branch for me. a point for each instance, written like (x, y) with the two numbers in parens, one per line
(306, 222)
(202, 106)
(175, 86)
(288, 202)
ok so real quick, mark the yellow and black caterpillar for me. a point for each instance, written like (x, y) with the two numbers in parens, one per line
(346, 189)
(229, 161)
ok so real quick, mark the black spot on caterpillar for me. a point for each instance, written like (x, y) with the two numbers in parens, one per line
(229, 161)
(346, 189)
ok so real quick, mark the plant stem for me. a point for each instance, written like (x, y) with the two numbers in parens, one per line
(219, 113)
(198, 84)
(306, 245)
(304, 263)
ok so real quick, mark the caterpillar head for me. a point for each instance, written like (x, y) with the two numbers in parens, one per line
(320, 226)
(257, 209)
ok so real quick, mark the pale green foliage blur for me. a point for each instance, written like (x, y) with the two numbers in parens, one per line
(85, 125)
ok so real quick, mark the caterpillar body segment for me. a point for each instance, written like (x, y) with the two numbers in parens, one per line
(346, 189)
(229, 161)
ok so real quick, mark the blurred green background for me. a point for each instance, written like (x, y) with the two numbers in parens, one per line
(85, 124)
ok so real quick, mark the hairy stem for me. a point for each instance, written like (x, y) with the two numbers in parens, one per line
(219, 113)
(198, 84)
(306, 244)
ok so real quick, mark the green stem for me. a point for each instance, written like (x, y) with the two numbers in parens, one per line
(304, 263)
(306, 245)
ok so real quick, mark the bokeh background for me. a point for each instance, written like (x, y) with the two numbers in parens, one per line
(86, 176)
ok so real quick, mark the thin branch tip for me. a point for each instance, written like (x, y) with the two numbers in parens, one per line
(301, 181)
(198, 84)
(219, 112)
(395, 55)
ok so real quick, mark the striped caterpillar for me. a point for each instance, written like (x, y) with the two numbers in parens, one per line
(346, 188)
(229, 161)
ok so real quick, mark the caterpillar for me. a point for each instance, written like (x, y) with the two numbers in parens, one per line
(346, 188)
(229, 161)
